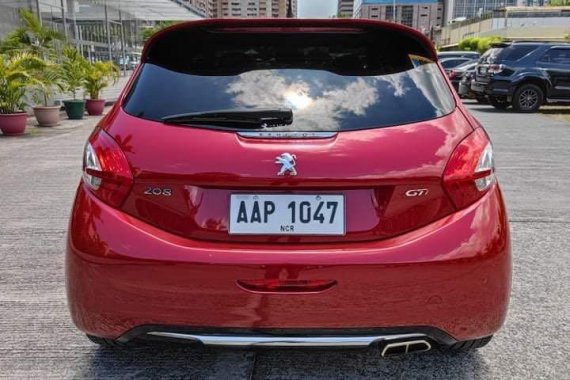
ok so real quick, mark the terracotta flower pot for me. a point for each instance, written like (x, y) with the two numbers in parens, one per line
(95, 107)
(13, 124)
(74, 109)
(47, 116)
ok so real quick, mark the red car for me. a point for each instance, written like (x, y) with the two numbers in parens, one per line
(289, 183)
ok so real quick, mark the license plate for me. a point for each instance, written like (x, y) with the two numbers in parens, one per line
(285, 214)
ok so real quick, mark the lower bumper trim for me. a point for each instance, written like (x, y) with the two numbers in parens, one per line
(285, 341)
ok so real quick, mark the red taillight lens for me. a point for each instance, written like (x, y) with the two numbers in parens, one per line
(470, 171)
(452, 74)
(106, 171)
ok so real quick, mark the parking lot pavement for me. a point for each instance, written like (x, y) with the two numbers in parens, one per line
(38, 175)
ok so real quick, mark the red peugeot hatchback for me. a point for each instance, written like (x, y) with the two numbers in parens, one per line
(289, 183)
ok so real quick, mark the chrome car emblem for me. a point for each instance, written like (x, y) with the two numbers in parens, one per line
(287, 162)
(417, 193)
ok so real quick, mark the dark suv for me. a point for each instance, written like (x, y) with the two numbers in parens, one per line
(524, 75)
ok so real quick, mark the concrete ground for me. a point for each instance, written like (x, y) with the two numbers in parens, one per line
(38, 176)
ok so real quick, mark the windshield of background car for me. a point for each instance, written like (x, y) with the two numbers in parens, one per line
(331, 81)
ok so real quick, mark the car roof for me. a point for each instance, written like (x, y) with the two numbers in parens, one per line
(527, 43)
(298, 25)
(449, 52)
(466, 59)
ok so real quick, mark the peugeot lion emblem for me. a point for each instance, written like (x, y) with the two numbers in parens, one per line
(287, 162)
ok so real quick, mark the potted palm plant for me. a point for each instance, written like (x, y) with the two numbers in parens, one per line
(73, 69)
(47, 81)
(15, 78)
(98, 76)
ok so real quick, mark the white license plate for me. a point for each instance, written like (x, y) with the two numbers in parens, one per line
(286, 214)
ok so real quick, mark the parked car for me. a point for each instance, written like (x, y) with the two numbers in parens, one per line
(287, 182)
(450, 63)
(525, 75)
(456, 74)
(465, 91)
(458, 54)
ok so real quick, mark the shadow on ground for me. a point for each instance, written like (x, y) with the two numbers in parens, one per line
(174, 361)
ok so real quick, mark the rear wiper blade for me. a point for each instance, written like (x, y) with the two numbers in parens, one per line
(246, 118)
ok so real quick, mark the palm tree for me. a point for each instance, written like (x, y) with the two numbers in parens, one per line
(31, 37)
(100, 75)
(15, 77)
(73, 69)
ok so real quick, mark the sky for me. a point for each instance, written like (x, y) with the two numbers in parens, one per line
(316, 8)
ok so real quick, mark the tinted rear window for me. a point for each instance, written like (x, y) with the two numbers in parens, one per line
(331, 81)
(509, 53)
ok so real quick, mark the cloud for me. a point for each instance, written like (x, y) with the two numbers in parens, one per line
(268, 89)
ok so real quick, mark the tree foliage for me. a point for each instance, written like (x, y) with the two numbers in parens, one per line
(16, 75)
(149, 32)
(74, 68)
(32, 37)
(479, 44)
(100, 75)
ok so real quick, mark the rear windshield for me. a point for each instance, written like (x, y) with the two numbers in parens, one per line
(509, 53)
(330, 81)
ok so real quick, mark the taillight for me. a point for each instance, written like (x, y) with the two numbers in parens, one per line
(470, 171)
(106, 171)
(495, 69)
(452, 74)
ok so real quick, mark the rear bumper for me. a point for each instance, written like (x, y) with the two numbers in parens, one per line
(493, 88)
(451, 277)
(287, 337)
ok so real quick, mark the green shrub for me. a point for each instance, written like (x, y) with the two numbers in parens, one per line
(15, 78)
(98, 76)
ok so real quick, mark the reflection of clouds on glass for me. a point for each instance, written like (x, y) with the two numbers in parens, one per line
(396, 81)
(269, 89)
(326, 101)
(298, 100)
(261, 89)
(432, 86)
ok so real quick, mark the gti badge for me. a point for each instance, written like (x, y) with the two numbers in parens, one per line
(287, 162)
(417, 193)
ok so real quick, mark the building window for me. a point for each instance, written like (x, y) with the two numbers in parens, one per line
(407, 15)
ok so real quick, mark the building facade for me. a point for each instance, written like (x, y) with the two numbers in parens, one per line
(423, 15)
(279, 8)
(248, 8)
(512, 24)
(100, 30)
(345, 8)
(467, 9)
(207, 8)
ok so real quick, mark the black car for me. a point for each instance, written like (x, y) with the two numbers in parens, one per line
(524, 75)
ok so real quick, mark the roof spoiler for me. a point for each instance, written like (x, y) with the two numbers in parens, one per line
(298, 26)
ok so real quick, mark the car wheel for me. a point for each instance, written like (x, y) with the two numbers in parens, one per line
(467, 345)
(106, 342)
(528, 98)
(499, 103)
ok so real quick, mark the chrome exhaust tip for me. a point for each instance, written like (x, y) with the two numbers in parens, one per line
(407, 347)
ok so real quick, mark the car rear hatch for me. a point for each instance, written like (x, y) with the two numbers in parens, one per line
(500, 59)
(373, 126)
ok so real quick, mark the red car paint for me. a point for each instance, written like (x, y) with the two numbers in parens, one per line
(405, 261)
